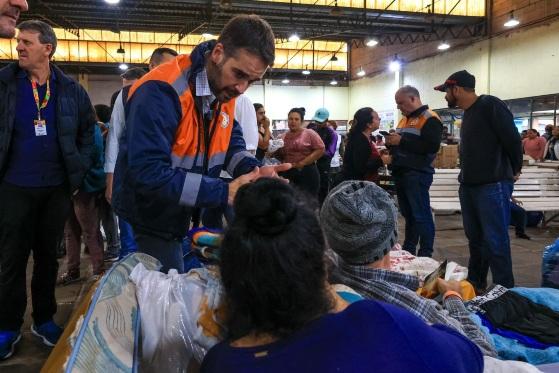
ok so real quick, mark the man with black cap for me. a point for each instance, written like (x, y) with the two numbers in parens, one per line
(490, 160)
(330, 139)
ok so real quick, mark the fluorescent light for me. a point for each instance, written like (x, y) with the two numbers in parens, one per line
(294, 37)
(395, 65)
(512, 22)
(285, 81)
(443, 46)
(112, 1)
(361, 72)
(306, 72)
(333, 82)
(371, 42)
(123, 66)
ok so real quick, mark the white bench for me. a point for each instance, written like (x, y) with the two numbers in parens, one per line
(537, 189)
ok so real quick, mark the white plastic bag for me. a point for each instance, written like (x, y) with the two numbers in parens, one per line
(170, 308)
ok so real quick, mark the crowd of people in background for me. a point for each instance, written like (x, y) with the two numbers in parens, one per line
(151, 166)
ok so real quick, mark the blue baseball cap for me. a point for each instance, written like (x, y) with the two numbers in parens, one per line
(321, 115)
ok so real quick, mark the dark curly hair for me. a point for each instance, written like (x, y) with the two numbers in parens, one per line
(272, 265)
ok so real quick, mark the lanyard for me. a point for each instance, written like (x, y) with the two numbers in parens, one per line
(36, 97)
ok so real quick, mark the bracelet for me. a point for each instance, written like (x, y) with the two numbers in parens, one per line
(449, 293)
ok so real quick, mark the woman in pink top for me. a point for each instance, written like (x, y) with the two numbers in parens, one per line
(534, 145)
(302, 147)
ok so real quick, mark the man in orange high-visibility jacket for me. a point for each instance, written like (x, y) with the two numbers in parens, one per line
(181, 132)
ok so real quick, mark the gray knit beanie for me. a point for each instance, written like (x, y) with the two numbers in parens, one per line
(359, 220)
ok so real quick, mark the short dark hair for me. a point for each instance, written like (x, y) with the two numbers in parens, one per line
(157, 55)
(133, 73)
(251, 33)
(103, 112)
(45, 31)
(257, 106)
(273, 265)
(299, 110)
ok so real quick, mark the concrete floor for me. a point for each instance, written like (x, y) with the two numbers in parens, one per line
(450, 243)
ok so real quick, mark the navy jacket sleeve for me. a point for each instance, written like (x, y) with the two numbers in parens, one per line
(153, 116)
(429, 141)
(238, 160)
(86, 127)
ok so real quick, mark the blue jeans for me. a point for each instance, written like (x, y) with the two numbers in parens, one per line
(412, 189)
(167, 251)
(127, 243)
(486, 217)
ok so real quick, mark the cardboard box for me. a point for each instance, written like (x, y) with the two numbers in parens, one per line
(447, 157)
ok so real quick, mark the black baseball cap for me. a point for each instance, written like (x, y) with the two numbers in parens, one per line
(460, 79)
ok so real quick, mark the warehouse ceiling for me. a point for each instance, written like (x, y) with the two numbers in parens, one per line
(310, 21)
(351, 24)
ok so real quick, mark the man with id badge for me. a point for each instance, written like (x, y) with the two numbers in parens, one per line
(46, 145)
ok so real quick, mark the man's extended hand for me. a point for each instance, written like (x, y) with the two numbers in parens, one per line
(272, 171)
(239, 182)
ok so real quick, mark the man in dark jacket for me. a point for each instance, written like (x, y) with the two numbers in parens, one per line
(490, 161)
(46, 144)
(413, 149)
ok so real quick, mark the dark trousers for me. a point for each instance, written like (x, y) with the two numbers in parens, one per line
(31, 219)
(167, 251)
(83, 220)
(412, 189)
(518, 218)
(306, 179)
(486, 217)
(110, 226)
(323, 166)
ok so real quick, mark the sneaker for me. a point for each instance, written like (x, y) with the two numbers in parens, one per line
(49, 332)
(110, 257)
(68, 278)
(8, 340)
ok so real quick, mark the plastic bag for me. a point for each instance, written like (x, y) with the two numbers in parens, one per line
(550, 266)
(178, 317)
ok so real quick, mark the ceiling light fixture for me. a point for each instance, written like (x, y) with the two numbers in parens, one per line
(334, 58)
(207, 35)
(371, 42)
(395, 64)
(123, 66)
(333, 82)
(306, 72)
(336, 11)
(361, 72)
(112, 2)
(285, 81)
(443, 46)
(294, 37)
(512, 22)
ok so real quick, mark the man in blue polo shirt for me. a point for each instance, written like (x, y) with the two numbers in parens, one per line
(46, 122)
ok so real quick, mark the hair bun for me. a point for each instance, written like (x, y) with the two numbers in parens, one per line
(266, 206)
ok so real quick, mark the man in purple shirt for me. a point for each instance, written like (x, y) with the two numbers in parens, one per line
(330, 138)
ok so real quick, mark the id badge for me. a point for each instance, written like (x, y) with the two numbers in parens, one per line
(40, 127)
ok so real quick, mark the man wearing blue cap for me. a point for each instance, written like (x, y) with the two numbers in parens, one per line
(330, 138)
(490, 162)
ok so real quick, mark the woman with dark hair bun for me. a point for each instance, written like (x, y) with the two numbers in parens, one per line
(361, 158)
(283, 316)
(302, 148)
